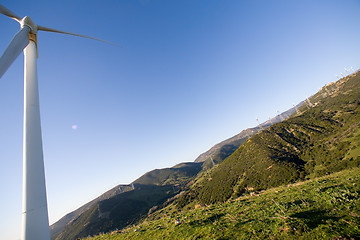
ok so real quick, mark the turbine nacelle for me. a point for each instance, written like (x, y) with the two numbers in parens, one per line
(27, 21)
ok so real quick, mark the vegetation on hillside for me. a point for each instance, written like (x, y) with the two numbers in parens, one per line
(179, 174)
(118, 211)
(323, 139)
(321, 208)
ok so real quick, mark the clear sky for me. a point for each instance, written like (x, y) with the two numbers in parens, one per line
(188, 75)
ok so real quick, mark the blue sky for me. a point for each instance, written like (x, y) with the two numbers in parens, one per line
(188, 75)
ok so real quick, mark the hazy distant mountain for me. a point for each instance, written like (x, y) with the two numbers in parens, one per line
(128, 201)
(117, 211)
(59, 226)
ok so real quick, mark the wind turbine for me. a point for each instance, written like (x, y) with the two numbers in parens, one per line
(257, 119)
(281, 118)
(271, 120)
(309, 104)
(212, 160)
(297, 110)
(35, 222)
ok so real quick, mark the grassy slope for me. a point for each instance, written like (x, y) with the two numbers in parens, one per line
(322, 208)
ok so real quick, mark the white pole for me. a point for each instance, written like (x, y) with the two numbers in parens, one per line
(35, 222)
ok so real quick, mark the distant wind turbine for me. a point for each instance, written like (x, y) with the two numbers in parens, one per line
(280, 115)
(309, 104)
(257, 119)
(35, 222)
(271, 120)
(297, 110)
(212, 160)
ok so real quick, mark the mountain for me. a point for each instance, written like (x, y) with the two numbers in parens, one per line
(179, 174)
(125, 204)
(318, 137)
(117, 211)
(59, 226)
(222, 150)
(304, 155)
(321, 208)
(322, 138)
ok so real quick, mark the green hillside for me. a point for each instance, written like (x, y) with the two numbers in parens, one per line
(323, 139)
(321, 208)
(57, 228)
(118, 211)
(179, 174)
(123, 205)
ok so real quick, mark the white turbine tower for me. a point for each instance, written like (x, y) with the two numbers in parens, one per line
(296, 109)
(309, 104)
(281, 118)
(257, 119)
(212, 160)
(270, 120)
(35, 222)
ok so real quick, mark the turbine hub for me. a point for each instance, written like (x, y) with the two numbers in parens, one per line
(27, 21)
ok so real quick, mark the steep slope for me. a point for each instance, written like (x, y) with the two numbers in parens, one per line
(324, 138)
(322, 208)
(180, 174)
(117, 212)
(222, 150)
(59, 226)
(159, 184)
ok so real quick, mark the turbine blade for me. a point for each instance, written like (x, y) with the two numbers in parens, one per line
(42, 28)
(9, 13)
(16, 46)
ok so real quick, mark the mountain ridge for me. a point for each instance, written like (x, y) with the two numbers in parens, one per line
(322, 138)
(203, 162)
(281, 159)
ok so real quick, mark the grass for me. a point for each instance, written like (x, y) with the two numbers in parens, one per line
(323, 208)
